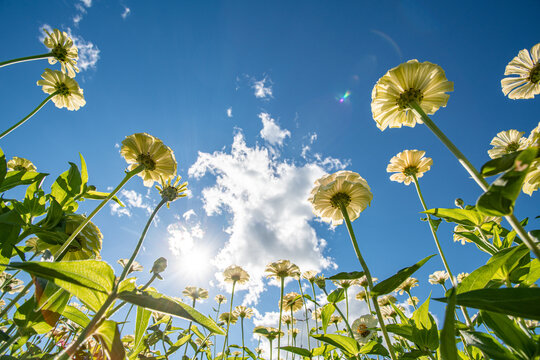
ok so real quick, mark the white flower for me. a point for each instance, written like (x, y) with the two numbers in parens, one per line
(363, 328)
(527, 68)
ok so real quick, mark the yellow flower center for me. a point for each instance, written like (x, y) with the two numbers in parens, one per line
(362, 330)
(170, 193)
(411, 95)
(513, 146)
(59, 52)
(62, 89)
(19, 168)
(410, 170)
(340, 199)
(146, 161)
(534, 77)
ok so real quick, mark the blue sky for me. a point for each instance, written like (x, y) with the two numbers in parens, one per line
(246, 94)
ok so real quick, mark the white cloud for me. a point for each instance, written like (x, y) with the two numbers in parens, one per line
(87, 3)
(263, 88)
(182, 238)
(126, 12)
(271, 132)
(189, 214)
(88, 52)
(229, 112)
(132, 200)
(269, 215)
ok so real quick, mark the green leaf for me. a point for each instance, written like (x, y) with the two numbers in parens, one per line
(511, 334)
(390, 284)
(143, 318)
(480, 277)
(469, 217)
(89, 280)
(374, 348)
(16, 178)
(448, 349)
(485, 247)
(109, 335)
(425, 333)
(98, 195)
(499, 165)
(403, 330)
(155, 301)
(336, 296)
(3, 167)
(500, 197)
(66, 187)
(487, 344)
(84, 171)
(51, 300)
(344, 343)
(326, 313)
(520, 302)
(347, 275)
(29, 320)
(322, 350)
(76, 315)
(297, 351)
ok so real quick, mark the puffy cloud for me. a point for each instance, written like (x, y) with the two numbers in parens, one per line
(182, 238)
(229, 112)
(188, 214)
(271, 132)
(132, 200)
(265, 199)
(263, 88)
(126, 12)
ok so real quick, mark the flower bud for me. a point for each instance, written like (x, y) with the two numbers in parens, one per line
(159, 266)
(459, 203)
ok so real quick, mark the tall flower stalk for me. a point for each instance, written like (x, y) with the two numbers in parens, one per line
(233, 274)
(305, 312)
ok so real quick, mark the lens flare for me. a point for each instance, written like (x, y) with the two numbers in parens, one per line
(344, 97)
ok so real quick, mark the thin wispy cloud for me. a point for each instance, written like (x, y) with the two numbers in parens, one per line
(126, 12)
(229, 112)
(132, 200)
(81, 9)
(263, 88)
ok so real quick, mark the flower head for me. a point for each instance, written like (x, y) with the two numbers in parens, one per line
(527, 68)
(159, 266)
(363, 281)
(407, 164)
(243, 312)
(294, 332)
(407, 285)
(309, 275)
(172, 190)
(150, 152)
(67, 92)
(413, 301)
(220, 299)
(135, 266)
(203, 343)
(335, 319)
(288, 320)
(228, 317)
(438, 277)
(195, 293)
(281, 269)
(422, 83)
(363, 328)
(386, 299)
(534, 137)
(343, 188)
(62, 50)
(10, 283)
(461, 276)
(86, 245)
(320, 281)
(361, 295)
(507, 142)
(345, 284)
(317, 314)
(236, 274)
(292, 302)
(20, 164)
(532, 179)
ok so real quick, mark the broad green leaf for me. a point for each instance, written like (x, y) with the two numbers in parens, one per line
(3, 166)
(425, 333)
(488, 345)
(51, 300)
(16, 178)
(459, 216)
(344, 343)
(499, 165)
(173, 348)
(485, 247)
(374, 348)
(511, 334)
(499, 199)
(66, 187)
(76, 315)
(448, 349)
(10, 228)
(297, 351)
(390, 284)
(403, 330)
(516, 258)
(520, 302)
(29, 320)
(326, 313)
(246, 349)
(323, 349)
(143, 318)
(159, 302)
(336, 296)
(479, 278)
(532, 274)
(84, 171)
(347, 275)
(109, 335)
(89, 280)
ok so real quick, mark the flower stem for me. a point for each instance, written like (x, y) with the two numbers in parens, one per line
(280, 313)
(26, 58)
(476, 176)
(369, 279)
(68, 242)
(228, 323)
(437, 243)
(306, 313)
(315, 307)
(341, 314)
(242, 326)
(27, 117)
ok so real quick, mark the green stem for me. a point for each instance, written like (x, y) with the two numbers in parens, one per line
(119, 306)
(215, 337)
(228, 322)
(188, 330)
(27, 117)
(476, 176)
(242, 326)
(306, 313)
(270, 341)
(291, 338)
(15, 299)
(341, 314)
(369, 279)
(347, 303)
(26, 58)
(68, 242)
(10, 342)
(280, 313)
(315, 304)
(368, 296)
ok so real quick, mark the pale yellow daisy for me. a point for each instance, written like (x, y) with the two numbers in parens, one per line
(227, 317)
(220, 299)
(407, 164)
(527, 68)
(62, 50)
(235, 274)
(281, 269)
(20, 164)
(438, 277)
(292, 301)
(534, 137)
(363, 328)
(507, 142)
(532, 179)
(243, 312)
(195, 293)
(157, 158)
(345, 188)
(407, 285)
(67, 92)
(423, 83)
